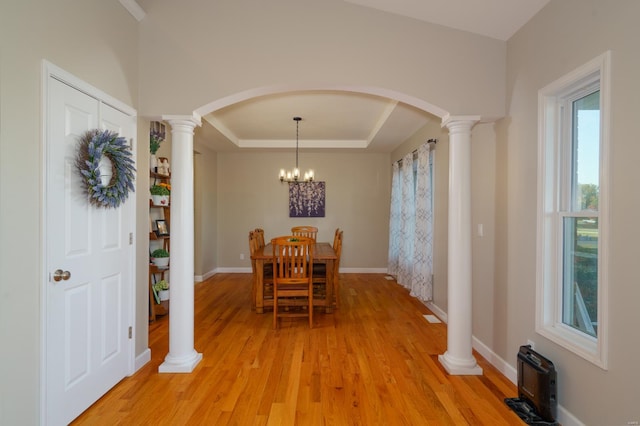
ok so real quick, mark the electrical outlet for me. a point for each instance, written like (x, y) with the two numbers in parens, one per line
(241, 256)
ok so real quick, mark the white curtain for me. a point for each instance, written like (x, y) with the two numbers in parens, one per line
(422, 277)
(411, 223)
(407, 222)
(394, 221)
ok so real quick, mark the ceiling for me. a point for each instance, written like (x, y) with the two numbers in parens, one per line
(346, 120)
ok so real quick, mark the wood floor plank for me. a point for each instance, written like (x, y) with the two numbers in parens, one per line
(374, 360)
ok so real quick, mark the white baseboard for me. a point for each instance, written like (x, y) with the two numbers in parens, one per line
(233, 270)
(142, 360)
(503, 366)
(245, 270)
(437, 311)
(363, 270)
(565, 417)
(206, 276)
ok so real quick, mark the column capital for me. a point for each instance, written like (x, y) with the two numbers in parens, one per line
(183, 121)
(460, 122)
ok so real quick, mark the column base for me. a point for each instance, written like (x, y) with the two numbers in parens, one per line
(460, 367)
(180, 365)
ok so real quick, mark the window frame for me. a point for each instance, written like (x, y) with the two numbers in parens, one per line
(553, 149)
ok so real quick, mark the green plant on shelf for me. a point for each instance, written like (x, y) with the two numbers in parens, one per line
(161, 189)
(159, 253)
(155, 139)
(161, 285)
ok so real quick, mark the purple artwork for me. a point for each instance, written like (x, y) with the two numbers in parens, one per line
(306, 199)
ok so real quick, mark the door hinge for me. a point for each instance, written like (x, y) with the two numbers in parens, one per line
(130, 238)
(130, 332)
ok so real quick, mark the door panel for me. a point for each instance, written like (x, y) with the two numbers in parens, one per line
(87, 345)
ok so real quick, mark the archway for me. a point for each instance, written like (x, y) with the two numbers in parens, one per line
(458, 359)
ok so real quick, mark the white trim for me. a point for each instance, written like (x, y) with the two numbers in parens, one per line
(233, 270)
(206, 276)
(548, 323)
(73, 81)
(292, 87)
(362, 270)
(246, 270)
(437, 311)
(141, 360)
(134, 9)
(49, 70)
(494, 359)
(564, 416)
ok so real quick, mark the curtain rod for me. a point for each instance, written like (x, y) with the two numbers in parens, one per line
(415, 151)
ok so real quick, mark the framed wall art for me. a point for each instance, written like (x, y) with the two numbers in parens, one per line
(306, 199)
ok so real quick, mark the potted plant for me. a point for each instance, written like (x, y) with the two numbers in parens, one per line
(160, 194)
(162, 289)
(160, 258)
(156, 137)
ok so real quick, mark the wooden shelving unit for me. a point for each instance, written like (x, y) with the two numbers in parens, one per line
(156, 274)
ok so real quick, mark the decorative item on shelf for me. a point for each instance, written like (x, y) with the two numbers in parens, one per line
(161, 288)
(163, 166)
(160, 194)
(294, 176)
(105, 163)
(162, 230)
(160, 258)
(156, 137)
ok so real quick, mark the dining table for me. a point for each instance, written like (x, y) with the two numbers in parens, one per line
(322, 253)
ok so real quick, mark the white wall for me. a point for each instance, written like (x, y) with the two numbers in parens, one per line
(206, 209)
(563, 36)
(358, 188)
(199, 52)
(96, 41)
(222, 48)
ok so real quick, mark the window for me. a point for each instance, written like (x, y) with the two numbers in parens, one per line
(571, 307)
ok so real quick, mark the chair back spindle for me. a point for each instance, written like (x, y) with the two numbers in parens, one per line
(305, 231)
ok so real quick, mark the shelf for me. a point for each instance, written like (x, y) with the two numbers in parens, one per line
(153, 269)
(155, 175)
(158, 212)
(153, 236)
(159, 206)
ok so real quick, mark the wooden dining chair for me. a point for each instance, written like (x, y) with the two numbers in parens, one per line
(260, 236)
(337, 247)
(320, 269)
(305, 231)
(255, 243)
(292, 278)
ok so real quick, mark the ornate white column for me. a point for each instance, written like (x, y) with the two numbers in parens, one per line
(182, 357)
(458, 359)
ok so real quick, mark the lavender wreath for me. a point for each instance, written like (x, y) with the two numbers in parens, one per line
(94, 145)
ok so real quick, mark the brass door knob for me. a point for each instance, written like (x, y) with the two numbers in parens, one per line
(59, 274)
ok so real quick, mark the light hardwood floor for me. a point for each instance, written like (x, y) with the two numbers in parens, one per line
(372, 362)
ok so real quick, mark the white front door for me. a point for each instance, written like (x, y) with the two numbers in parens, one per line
(88, 313)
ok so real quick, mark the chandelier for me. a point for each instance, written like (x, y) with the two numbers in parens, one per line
(294, 176)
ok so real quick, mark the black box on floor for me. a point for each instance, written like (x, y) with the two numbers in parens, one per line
(537, 399)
